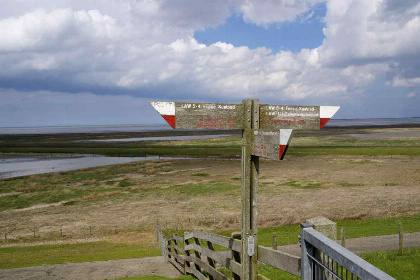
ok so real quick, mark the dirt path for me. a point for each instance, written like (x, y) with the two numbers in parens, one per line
(94, 270)
(368, 244)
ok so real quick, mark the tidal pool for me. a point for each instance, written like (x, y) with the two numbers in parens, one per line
(22, 166)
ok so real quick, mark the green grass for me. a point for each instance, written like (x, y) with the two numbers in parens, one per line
(379, 226)
(347, 184)
(41, 197)
(201, 174)
(275, 273)
(125, 184)
(13, 257)
(303, 185)
(288, 234)
(154, 277)
(195, 189)
(404, 267)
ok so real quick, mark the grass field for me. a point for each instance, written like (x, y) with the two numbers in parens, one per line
(14, 257)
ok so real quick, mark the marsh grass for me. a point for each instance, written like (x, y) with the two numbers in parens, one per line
(196, 189)
(200, 174)
(303, 185)
(327, 142)
(347, 184)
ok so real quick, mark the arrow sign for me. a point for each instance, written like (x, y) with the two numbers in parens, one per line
(188, 115)
(295, 117)
(271, 144)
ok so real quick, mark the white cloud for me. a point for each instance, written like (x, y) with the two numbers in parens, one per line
(146, 46)
(411, 95)
(401, 82)
(265, 12)
(368, 31)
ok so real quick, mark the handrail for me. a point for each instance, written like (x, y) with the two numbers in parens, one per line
(351, 262)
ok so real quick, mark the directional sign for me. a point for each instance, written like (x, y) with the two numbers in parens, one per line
(189, 115)
(266, 133)
(271, 144)
(295, 117)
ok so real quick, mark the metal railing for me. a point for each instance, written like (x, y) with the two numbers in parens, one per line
(324, 259)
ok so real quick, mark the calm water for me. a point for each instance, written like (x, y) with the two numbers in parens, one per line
(369, 122)
(15, 167)
(82, 129)
(142, 128)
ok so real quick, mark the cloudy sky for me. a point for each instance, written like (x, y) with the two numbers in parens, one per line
(86, 62)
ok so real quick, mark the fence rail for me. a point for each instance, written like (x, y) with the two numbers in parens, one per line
(203, 254)
(200, 258)
(323, 258)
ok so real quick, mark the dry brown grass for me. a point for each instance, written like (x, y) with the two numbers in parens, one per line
(290, 192)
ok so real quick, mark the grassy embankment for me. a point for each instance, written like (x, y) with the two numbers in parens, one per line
(326, 142)
(13, 257)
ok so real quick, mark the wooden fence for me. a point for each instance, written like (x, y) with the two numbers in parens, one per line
(204, 254)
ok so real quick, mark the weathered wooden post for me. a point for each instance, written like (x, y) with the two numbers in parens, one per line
(235, 255)
(343, 237)
(274, 244)
(266, 132)
(250, 169)
(400, 239)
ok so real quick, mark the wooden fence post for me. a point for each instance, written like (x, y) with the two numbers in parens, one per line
(197, 254)
(187, 252)
(401, 239)
(175, 243)
(210, 260)
(343, 237)
(274, 245)
(236, 256)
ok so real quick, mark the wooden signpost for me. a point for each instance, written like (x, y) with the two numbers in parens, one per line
(266, 132)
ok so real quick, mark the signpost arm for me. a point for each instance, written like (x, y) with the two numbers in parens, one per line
(250, 168)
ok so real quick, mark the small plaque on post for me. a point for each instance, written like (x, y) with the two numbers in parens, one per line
(251, 245)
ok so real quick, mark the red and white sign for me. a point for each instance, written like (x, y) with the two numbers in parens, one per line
(166, 110)
(189, 115)
(271, 144)
(326, 113)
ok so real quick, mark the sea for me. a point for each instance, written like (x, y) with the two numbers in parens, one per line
(165, 127)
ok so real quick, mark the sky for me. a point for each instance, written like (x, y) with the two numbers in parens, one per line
(99, 62)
